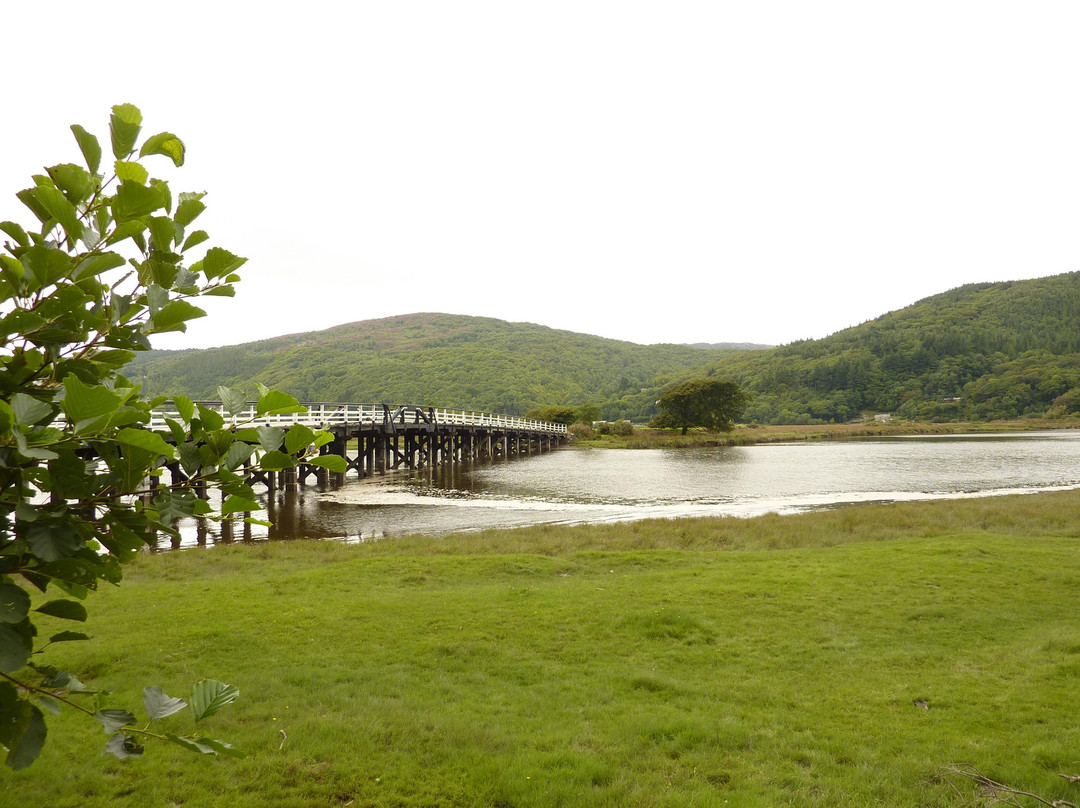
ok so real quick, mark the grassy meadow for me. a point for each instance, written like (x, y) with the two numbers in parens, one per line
(840, 658)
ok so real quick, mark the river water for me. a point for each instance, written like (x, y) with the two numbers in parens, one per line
(573, 486)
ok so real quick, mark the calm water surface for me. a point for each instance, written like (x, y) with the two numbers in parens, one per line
(571, 486)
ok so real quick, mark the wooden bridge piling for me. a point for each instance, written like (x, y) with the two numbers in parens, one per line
(386, 439)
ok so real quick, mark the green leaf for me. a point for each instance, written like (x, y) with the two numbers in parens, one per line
(146, 440)
(133, 200)
(174, 316)
(56, 679)
(211, 419)
(276, 461)
(28, 736)
(194, 239)
(73, 180)
(162, 188)
(299, 437)
(221, 747)
(17, 233)
(239, 453)
(66, 609)
(112, 720)
(89, 146)
(270, 437)
(127, 170)
(179, 434)
(185, 407)
(172, 505)
(132, 230)
(218, 262)
(96, 264)
(47, 263)
(85, 403)
(165, 143)
(14, 603)
(16, 645)
(189, 208)
(124, 126)
(238, 505)
(209, 695)
(191, 745)
(28, 410)
(28, 198)
(123, 746)
(334, 463)
(61, 209)
(49, 703)
(234, 401)
(158, 705)
(54, 540)
(163, 231)
(274, 402)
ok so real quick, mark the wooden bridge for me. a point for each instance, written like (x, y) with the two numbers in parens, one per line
(376, 438)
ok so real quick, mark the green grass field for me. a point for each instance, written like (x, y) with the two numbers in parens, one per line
(771, 661)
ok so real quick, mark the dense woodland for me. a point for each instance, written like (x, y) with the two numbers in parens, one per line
(978, 352)
(438, 360)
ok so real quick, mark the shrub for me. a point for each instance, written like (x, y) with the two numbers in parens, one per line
(582, 431)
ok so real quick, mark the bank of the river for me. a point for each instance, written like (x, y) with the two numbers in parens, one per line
(743, 435)
(841, 658)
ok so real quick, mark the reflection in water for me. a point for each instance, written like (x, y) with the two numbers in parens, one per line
(571, 486)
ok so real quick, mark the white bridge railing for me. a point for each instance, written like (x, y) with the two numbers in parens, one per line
(326, 415)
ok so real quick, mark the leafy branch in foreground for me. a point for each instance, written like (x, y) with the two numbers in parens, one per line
(105, 267)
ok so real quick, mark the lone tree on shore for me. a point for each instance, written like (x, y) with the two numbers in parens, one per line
(711, 403)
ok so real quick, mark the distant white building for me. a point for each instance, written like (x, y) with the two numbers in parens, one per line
(882, 417)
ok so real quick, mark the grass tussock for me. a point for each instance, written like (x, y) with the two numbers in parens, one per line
(842, 658)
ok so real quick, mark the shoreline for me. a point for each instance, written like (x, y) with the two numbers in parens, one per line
(743, 435)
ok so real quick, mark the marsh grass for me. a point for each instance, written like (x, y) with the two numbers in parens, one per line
(745, 435)
(769, 661)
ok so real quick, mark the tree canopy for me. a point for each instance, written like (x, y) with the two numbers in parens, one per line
(442, 360)
(979, 352)
(710, 403)
(108, 264)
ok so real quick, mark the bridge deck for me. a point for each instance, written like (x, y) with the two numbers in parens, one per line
(375, 438)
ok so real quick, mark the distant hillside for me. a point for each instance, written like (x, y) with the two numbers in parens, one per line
(435, 359)
(980, 352)
(730, 346)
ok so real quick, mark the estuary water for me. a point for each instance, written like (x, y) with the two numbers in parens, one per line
(573, 486)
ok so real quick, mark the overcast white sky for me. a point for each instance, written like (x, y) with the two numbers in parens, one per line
(653, 172)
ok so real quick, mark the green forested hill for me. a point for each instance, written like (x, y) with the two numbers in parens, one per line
(434, 359)
(979, 352)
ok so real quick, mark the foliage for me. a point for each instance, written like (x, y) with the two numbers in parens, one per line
(582, 431)
(583, 414)
(105, 268)
(711, 403)
(980, 352)
(439, 360)
(621, 429)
